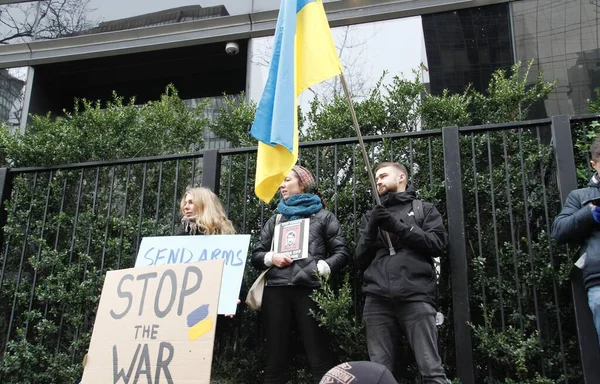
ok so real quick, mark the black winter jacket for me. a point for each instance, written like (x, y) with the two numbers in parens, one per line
(409, 275)
(575, 224)
(325, 242)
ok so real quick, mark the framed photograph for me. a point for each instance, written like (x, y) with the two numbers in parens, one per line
(291, 237)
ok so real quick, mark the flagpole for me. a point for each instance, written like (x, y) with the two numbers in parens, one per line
(365, 156)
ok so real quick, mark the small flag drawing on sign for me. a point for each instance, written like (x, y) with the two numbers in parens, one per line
(198, 322)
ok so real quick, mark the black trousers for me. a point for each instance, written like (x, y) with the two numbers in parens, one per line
(385, 319)
(282, 309)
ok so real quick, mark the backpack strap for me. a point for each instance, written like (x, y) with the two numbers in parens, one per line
(418, 211)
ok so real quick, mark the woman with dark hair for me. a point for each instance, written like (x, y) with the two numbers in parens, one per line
(290, 283)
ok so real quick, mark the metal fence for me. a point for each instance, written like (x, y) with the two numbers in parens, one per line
(499, 188)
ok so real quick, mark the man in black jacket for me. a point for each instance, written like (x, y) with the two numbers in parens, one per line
(579, 222)
(400, 288)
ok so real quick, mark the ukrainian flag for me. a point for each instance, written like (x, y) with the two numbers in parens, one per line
(303, 55)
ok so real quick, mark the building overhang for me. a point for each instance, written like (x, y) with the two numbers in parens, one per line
(341, 13)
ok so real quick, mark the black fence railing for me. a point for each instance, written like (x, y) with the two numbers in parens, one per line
(505, 287)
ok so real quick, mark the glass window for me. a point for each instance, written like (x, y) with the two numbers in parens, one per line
(563, 39)
(12, 93)
(467, 46)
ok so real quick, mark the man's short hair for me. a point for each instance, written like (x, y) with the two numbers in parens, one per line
(392, 164)
(595, 149)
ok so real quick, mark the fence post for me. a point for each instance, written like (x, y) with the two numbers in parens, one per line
(5, 191)
(566, 175)
(458, 256)
(211, 170)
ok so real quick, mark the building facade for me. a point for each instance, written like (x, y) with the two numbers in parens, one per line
(466, 46)
(561, 37)
(139, 47)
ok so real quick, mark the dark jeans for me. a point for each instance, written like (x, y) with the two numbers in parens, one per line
(282, 308)
(385, 318)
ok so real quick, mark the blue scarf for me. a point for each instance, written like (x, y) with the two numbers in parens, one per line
(300, 205)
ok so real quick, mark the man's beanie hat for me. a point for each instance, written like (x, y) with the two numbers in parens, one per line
(358, 372)
(306, 178)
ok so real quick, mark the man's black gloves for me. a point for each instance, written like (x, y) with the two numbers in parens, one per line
(382, 218)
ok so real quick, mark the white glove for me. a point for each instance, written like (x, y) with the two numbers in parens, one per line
(268, 260)
(323, 268)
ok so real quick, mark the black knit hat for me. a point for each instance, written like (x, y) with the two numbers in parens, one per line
(358, 372)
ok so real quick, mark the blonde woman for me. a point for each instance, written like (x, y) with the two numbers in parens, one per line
(203, 214)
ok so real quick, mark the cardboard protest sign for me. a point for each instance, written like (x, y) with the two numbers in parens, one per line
(155, 325)
(233, 249)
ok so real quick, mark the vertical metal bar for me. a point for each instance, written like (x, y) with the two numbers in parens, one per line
(175, 198)
(245, 205)
(566, 174)
(94, 201)
(411, 160)
(372, 161)
(156, 217)
(391, 150)
(7, 243)
(39, 253)
(543, 173)
(139, 231)
(480, 242)
(124, 216)
(56, 240)
(494, 224)
(354, 204)
(335, 180)
(89, 239)
(229, 179)
(529, 240)
(211, 170)
(76, 219)
(512, 230)
(317, 171)
(23, 252)
(62, 206)
(372, 157)
(108, 216)
(45, 215)
(566, 171)
(589, 166)
(6, 182)
(458, 256)
(355, 288)
(72, 247)
(193, 183)
(430, 162)
(478, 221)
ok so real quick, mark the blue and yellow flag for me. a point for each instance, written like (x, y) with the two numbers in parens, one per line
(303, 55)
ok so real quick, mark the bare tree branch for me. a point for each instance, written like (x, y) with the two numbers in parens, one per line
(48, 19)
(15, 36)
(352, 45)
